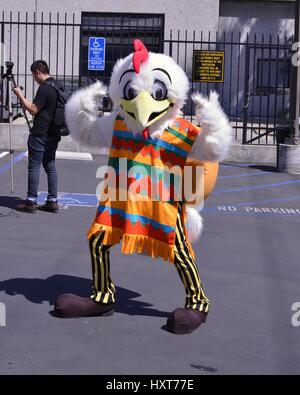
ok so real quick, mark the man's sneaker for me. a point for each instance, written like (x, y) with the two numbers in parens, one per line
(50, 207)
(27, 207)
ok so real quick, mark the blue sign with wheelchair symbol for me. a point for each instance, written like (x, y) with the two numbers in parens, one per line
(96, 53)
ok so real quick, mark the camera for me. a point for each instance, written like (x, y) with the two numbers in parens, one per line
(9, 67)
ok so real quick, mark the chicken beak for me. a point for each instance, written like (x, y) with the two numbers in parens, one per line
(144, 109)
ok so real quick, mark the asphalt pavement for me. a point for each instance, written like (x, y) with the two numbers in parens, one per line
(248, 259)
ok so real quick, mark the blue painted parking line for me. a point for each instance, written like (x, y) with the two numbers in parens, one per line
(90, 200)
(242, 208)
(72, 199)
(276, 213)
(255, 187)
(6, 167)
(245, 204)
(261, 173)
(245, 165)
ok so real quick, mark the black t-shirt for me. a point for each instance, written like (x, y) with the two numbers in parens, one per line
(45, 100)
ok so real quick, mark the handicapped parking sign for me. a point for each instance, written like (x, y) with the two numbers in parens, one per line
(96, 53)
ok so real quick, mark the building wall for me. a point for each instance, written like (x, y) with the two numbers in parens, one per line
(36, 42)
(189, 14)
(255, 19)
(261, 17)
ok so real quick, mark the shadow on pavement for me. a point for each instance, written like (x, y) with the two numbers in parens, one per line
(10, 201)
(40, 290)
(207, 369)
(265, 168)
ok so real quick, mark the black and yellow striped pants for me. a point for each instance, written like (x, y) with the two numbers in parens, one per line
(104, 290)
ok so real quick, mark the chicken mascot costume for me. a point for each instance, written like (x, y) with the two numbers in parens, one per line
(146, 138)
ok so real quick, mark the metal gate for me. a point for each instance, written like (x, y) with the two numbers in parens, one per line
(119, 31)
(255, 93)
(266, 91)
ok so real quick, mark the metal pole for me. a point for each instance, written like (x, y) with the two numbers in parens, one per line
(297, 104)
(2, 56)
(10, 115)
(295, 91)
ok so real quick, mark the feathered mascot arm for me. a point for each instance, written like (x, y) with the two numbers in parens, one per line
(215, 138)
(212, 144)
(83, 120)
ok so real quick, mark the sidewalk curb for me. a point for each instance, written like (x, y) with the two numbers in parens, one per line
(260, 154)
(70, 155)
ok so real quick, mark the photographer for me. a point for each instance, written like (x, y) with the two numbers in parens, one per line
(42, 145)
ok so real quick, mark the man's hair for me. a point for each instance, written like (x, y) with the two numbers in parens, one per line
(40, 65)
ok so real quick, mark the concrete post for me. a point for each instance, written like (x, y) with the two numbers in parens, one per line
(288, 160)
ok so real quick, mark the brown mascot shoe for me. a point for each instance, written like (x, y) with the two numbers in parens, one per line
(183, 321)
(72, 306)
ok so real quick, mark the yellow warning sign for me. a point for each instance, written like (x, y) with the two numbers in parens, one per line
(208, 66)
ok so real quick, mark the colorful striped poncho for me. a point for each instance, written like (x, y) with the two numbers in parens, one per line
(147, 223)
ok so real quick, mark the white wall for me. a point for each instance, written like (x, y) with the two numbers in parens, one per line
(180, 14)
(257, 16)
(38, 43)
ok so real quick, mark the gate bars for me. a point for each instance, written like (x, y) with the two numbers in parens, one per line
(255, 93)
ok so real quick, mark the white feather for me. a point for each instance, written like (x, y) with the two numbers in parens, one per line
(194, 224)
(215, 138)
(83, 120)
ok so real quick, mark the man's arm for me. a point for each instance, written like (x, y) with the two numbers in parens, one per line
(27, 104)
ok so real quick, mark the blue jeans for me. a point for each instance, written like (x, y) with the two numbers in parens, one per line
(42, 150)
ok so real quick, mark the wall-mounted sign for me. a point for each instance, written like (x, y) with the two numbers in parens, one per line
(208, 66)
(96, 53)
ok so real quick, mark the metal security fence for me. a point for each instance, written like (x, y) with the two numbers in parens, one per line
(62, 41)
(119, 32)
(50, 37)
(254, 89)
(255, 92)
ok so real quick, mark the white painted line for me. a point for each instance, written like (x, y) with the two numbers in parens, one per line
(3, 154)
(71, 155)
(74, 155)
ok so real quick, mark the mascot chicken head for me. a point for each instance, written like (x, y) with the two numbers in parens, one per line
(148, 89)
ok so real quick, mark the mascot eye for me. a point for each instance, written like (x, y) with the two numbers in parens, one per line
(129, 92)
(159, 91)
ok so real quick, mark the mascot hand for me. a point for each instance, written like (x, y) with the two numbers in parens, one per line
(208, 111)
(92, 96)
(86, 126)
(216, 133)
